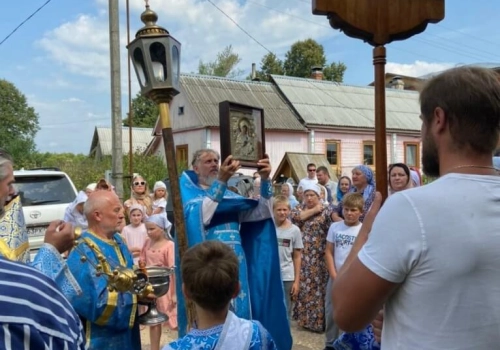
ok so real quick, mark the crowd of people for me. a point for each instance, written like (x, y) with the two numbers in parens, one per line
(418, 273)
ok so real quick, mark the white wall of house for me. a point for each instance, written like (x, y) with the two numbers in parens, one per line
(352, 144)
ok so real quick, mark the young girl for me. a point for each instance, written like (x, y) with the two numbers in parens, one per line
(135, 234)
(160, 197)
(159, 251)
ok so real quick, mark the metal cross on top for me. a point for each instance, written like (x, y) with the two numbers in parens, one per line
(379, 22)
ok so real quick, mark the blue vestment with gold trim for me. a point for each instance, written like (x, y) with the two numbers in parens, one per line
(255, 243)
(109, 317)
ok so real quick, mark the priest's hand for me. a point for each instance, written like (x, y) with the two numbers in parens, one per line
(228, 168)
(264, 167)
(61, 235)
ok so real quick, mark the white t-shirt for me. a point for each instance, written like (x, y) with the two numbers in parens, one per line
(159, 203)
(306, 180)
(342, 237)
(441, 242)
(289, 239)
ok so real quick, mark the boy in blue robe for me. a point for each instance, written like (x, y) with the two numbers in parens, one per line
(210, 279)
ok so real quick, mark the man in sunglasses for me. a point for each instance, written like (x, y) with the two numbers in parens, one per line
(213, 212)
(34, 312)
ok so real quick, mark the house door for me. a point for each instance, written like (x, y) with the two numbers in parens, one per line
(182, 156)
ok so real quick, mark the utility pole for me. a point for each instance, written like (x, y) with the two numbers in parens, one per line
(116, 107)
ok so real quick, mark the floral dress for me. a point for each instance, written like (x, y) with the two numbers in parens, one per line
(309, 308)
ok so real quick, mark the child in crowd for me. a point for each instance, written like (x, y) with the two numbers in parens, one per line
(74, 212)
(209, 273)
(290, 248)
(339, 242)
(135, 234)
(160, 197)
(158, 250)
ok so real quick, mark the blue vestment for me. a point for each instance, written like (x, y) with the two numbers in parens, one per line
(109, 317)
(255, 243)
(362, 340)
(235, 333)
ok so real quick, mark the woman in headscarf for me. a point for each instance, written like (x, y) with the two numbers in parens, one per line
(363, 183)
(343, 187)
(313, 219)
(139, 194)
(74, 212)
(287, 191)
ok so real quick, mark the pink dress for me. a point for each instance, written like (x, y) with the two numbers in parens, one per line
(135, 237)
(163, 256)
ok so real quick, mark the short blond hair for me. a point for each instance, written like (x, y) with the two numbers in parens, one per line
(280, 199)
(353, 200)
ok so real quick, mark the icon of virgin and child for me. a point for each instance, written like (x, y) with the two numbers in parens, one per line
(244, 139)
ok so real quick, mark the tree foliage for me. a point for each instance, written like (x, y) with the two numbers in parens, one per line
(270, 64)
(302, 56)
(334, 72)
(223, 66)
(19, 124)
(144, 112)
(299, 59)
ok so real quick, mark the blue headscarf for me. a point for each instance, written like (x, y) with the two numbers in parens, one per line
(340, 194)
(370, 188)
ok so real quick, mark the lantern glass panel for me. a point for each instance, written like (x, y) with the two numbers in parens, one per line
(175, 65)
(158, 61)
(140, 66)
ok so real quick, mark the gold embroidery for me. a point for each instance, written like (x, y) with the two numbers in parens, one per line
(108, 310)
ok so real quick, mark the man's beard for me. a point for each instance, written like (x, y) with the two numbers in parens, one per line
(207, 180)
(430, 157)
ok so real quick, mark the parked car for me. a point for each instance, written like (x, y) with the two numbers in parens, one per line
(45, 194)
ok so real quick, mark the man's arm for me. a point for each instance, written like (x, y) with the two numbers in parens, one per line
(374, 270)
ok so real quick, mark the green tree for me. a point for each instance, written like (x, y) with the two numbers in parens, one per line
(19, 124)
(305, 54)
(270, 64)
(302, 56)
(144, 112)
(223, 66)
(334, 72)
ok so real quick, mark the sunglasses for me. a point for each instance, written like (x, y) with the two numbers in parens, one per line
(311, 169)
(137, 183)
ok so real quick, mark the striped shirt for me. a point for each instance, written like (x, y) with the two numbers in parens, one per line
(34, 314)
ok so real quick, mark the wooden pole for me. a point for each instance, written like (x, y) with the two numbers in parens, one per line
(175, 195)
(379, 61)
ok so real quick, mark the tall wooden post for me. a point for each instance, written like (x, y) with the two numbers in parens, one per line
(379, 60)
(379, 22)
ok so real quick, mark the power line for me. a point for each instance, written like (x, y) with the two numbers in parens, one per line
(23, 22)
(243, 30)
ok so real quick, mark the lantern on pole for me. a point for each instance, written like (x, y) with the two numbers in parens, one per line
(155, 55)
(379, 22)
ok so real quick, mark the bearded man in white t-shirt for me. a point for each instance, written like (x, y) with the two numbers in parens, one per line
(432, 253)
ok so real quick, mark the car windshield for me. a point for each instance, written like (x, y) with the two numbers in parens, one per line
(38, 190)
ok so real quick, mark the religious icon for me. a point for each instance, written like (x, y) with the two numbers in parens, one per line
(242, 133)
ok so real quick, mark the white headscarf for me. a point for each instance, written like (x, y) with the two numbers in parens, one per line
(73, 216)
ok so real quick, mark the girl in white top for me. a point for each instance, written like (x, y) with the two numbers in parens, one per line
(160, 196)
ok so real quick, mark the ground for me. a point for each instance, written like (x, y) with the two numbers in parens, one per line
(302, 340)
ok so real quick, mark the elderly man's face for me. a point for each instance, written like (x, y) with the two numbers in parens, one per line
(110, 214)
(6, 186)
(207, 168)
